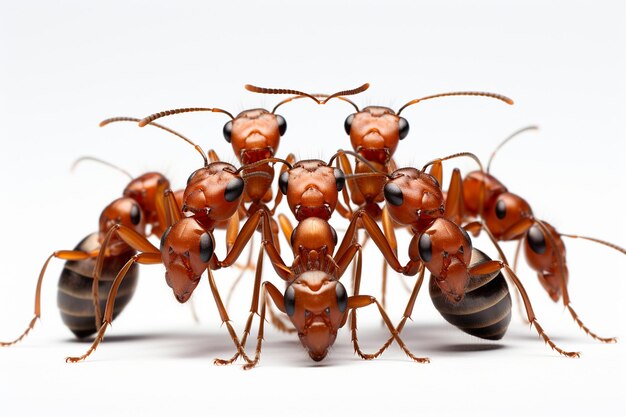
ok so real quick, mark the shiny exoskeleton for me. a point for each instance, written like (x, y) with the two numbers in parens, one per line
(485, 311)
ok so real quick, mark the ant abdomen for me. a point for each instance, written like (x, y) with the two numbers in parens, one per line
(485, 311)
(74, 298)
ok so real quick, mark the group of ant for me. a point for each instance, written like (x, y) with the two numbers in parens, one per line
(466, 286)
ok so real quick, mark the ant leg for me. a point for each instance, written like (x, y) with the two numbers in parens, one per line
(225, 319)
(490, 267)
(407, 312)
(359, 301)
(148, 258)
(566, 299)
(291, 158)
(246, 233)
(277, 298)
(248, 266)
(518, 298)
(62, 254)
(454, 209)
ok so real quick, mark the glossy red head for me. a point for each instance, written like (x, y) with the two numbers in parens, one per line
(375, 132)
(214, 192)
(144, 190)
(546, 259)
(446, 250)
(124, 211)
(255, 134)
(316, 303)
(414, 198)
(186, 249)
(312, 188)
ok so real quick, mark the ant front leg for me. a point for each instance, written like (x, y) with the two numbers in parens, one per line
(358, 301)
(66, 255)
(490, 267)
(149, 255)
(150, 258)
(274, 293)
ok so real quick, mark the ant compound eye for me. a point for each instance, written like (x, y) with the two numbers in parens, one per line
(347, 125)
(342, 297)
(206, 247)
(234, 189)
(282, 124)
(425, 246)
(334, 233)
(282, 182)
(290, 301)
(467, 236)
(403, 128)
(228, 131)
(536, 240)
(164, 237)
(293, 236)
(501, 209)
(393, 194)
(340, 179)
(135, 214)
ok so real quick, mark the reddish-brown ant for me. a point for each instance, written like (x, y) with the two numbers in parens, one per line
(509, 217)
(213, 194)
(375, 132)
(414, 198)
(315, 301)
(141, 210)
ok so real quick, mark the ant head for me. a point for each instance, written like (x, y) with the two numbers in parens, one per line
(214, 191)
(375, 132)
(255, 134)
(446, 250)
(413, 197)
(312, 188)
(313, 234)
(144, 190)
(124, 211)
(316, 303)
(541, 256)
(472, 185)
(508, 216)
(186, 249)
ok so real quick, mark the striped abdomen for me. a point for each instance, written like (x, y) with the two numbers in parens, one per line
(74, 296)
(485, 311)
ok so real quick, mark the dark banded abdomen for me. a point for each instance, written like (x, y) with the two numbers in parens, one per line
(74, 296)
(485, 311)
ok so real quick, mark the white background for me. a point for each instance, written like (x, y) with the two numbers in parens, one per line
(64, 66)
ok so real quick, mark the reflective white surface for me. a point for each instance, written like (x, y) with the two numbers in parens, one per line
(66, 66)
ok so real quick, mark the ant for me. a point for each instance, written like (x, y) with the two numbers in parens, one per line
(315, 300)
(414, 198)
(509, 217)
(78, 297)
(255, 135)
(375, 132)
(213, 194)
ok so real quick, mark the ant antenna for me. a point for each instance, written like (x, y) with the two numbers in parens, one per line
(456, 155)
(263, 162)
(592, 239)
(101, 161)
(153, 117)
(300, 94)
(167, 129)
(524, 129)
(458, 93)
(360, 158)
